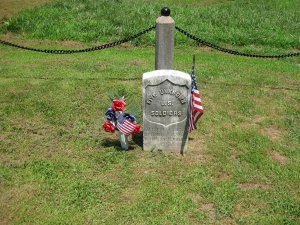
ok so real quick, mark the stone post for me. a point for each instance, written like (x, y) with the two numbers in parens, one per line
(166, 95)
(164, 48)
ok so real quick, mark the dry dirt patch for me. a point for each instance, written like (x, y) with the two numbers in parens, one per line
(279, 158)
(222, 175)
(210, 210)
(250, 186)
(137, 63)
(45, 44)
(273, 133)
(8, 8)
(12, 196)
(3, 136)
(254, 122)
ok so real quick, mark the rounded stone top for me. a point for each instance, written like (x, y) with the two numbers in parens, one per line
(165, 11)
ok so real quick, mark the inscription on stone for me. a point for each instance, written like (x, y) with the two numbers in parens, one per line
(166, 96)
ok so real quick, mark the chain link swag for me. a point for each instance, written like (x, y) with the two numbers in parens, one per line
(100, 47)
(233, 52)
(113, 44)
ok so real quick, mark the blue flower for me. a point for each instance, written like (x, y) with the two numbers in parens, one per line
(110, 114)
(120, 117)
(130, 117)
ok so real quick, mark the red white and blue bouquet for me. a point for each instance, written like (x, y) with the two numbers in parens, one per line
(117, 119)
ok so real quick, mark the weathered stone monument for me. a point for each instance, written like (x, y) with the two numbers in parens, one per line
(166, 95)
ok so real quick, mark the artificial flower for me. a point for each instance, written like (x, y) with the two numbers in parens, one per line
(108, 127)
(136, 130)
(118, 105)
(110, 115)
(130, 117)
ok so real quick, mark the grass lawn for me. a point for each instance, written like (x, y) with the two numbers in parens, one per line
(8, 8)
(57, 166)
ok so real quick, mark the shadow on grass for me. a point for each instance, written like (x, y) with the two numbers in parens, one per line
(110, 142)
(138, 139)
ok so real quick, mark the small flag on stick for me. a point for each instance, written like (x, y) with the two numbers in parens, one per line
(196, 108)
(125, 126)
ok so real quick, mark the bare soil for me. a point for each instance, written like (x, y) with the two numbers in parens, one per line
(9, 8)
(279, 158)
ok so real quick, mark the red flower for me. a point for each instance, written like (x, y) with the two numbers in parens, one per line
(118, 105)
(136, 130)
(108, 127)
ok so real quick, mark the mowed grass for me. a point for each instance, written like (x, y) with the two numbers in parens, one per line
(273, 24)
(59, 167)
(8, 8)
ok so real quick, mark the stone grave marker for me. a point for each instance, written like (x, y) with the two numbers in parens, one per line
(166, 101)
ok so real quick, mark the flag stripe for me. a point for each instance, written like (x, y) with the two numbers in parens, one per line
(197, 99)
(196, 108)
(197, 103)
(126, 127)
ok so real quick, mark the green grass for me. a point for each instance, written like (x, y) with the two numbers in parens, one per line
(57, 165)
(263, 25)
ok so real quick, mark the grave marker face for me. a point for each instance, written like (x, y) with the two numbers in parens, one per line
(166, 100)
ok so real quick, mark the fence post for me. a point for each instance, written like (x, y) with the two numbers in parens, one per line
(164, 48)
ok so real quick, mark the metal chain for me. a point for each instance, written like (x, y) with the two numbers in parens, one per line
(112, 44)
(233, 52)
(100, 47)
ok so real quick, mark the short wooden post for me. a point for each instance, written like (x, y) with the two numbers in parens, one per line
(164, 48)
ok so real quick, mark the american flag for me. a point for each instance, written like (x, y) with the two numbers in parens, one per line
(125, 126)
(196, 108)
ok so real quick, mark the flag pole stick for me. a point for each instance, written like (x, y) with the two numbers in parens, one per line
(123, 139)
